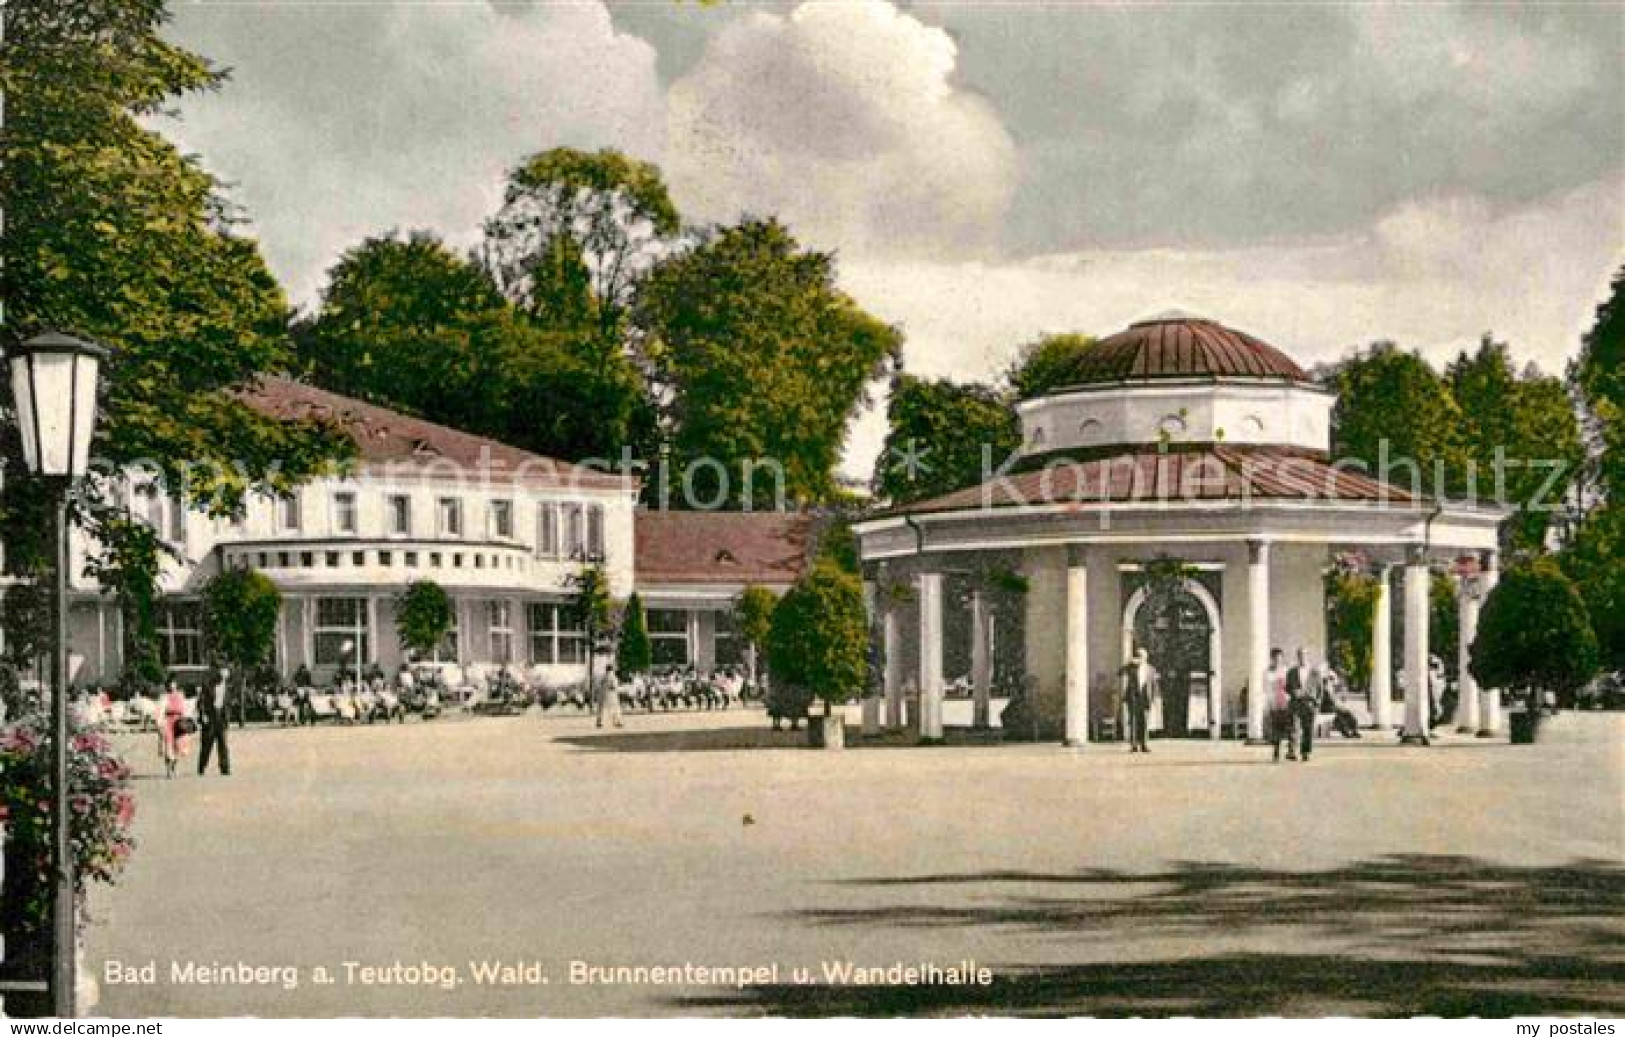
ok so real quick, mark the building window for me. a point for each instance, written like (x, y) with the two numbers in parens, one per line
(502, 519)
(575, 531)
(340, 622)
(180, 635)
(150, 508)
(289, 516)
(547, 530)
(344, 512)
(728, 648)
(555, 635)
(449, 511)
(668, 637)
(500, 615)
(446, 651)
(595, 531)
(400, 514)
(177, 519)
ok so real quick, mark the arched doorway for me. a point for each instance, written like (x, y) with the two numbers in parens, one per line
(1179, 628)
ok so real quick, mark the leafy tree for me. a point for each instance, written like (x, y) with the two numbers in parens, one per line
(409, 324)
(1351, 600)
(757, 356)
(819, 639)
(241, 609)
(937, 433)
(113, 234)
(1599, 373)
(1444, 622)
(1526, 420)
(1046, 363)
(753, 617)
(1595, 561)
(590, 607)
(423, 616)
(1392, 407)
(127, 569)
(633, 653)
(576, 232)
(1534, 633)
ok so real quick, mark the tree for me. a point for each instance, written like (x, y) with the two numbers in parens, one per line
(1444, 622)
(819, 640)
(241, 609)
(753, 617)
(576, 232)
(1393, 408)
(941, 436)
(1599, 374)
(757, 357)
(409, 324)
(112, 234)
(1595, 561)
(423, 616)
(1534, 633)
(1046, 363)
(590, 608)
(1526, 423)
(1351, 601)
(633, 653)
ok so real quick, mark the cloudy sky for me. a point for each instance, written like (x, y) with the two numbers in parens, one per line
(1320, 175)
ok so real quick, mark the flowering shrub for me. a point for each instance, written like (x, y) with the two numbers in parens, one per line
(102, 806)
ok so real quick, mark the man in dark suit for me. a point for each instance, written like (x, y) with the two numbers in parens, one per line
(1303, 688)
(214, 715)
(1139, 686)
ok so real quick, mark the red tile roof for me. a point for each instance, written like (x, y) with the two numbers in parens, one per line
(1181, 347)
(1145, 474)
(386, 437)
(766, 547)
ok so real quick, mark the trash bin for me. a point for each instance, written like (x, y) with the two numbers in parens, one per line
(1523, 725)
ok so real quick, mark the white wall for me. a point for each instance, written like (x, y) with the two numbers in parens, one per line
(1232, 412)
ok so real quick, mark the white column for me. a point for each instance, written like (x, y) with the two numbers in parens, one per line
(930, 680)
(981, 662)
(894, 667)
(1077, 646)
(1382, 652)
(1258, 635)
(1417, 579)
(871, 701)
(1468, 590)
(1490, 712)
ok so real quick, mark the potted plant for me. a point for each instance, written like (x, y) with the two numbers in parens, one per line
(1534, 636)
(819, 643)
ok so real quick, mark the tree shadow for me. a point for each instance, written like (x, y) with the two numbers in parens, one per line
(758, 737)
(1392, 936)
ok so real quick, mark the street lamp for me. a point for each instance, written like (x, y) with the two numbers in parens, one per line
(53, 384)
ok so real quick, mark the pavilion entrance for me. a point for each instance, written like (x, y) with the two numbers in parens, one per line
(1176, 629)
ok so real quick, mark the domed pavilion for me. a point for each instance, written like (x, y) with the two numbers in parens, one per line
(1177, 493)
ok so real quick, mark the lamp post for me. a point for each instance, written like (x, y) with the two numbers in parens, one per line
(53, 385)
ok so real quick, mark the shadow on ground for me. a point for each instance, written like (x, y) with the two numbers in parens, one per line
(759, 736)
(1393, 936)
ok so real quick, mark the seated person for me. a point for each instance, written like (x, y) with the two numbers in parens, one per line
(1344, 722)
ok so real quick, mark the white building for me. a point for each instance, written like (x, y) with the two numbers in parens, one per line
(502, 530)
(1176, 442)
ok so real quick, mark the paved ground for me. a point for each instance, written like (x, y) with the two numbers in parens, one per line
(1469, 878)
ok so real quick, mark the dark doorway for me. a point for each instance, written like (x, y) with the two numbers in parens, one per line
(1173, 626)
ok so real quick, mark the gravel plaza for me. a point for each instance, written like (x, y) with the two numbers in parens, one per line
(535, 866)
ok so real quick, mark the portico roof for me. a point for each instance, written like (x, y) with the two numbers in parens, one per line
(1198, 473)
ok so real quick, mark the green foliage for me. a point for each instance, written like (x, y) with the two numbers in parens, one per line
(819, 639)
(760, 357)
(1527, 419)
(127, 569)
(633, 653)
(937, 433)
(241, 608)
(1387, 395)
(753, 614)
(1595, 561)
(1600, 375)
(26, 607)
(590, 604)
(423, 616)
(1444, 622)
(1046, 363)
(1351, 601)
(1534, 632)
(408, 324)
(837, 544)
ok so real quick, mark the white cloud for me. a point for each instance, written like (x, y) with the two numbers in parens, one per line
(1432, 274)
(346, 121)
(843, 119)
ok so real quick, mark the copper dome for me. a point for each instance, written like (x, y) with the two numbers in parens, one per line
(1181, 347)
